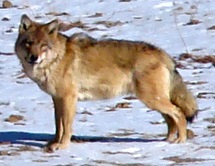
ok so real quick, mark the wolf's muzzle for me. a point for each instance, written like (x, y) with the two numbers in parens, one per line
(32, 59)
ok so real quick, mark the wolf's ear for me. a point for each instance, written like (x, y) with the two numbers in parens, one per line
(25, 23)
(53, 26)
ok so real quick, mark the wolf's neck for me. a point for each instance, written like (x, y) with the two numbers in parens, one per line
(42, 73)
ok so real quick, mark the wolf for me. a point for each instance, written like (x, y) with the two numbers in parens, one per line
(80, 67)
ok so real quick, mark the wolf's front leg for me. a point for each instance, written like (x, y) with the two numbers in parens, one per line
(64, 115)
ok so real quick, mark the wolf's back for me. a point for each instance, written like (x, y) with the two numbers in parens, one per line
(182, 97)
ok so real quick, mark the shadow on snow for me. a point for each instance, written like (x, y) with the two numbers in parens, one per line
(26, 138)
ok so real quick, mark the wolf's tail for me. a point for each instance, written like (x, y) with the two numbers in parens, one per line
(182, 97)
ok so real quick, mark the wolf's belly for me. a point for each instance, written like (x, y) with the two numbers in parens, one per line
(105, 91)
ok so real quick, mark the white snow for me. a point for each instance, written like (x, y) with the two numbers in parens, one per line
(131, 136)
(164, 4)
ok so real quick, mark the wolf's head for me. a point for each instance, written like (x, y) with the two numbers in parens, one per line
(35, 40)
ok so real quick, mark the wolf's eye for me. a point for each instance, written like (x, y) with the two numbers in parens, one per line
(28, 43)
(44, 47)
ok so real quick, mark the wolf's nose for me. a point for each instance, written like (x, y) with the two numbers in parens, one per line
(33, 58)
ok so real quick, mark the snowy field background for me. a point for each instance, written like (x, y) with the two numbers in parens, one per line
(111, 134)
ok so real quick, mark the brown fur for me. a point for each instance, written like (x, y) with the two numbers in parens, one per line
(83, 68)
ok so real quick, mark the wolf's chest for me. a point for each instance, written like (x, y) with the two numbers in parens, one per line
(43, 79)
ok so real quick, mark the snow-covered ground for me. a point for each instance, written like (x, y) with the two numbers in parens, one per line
(124, 136)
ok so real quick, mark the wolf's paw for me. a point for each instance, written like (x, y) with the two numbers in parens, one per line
(51, 147)
(170, 138)
(179, 140)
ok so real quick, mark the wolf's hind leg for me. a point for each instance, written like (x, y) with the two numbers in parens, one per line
(172, 128)
(152, 87)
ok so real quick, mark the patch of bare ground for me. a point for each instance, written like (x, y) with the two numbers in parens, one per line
(211, 126)
(196, 82)
(105, 162)
(109, 24)
(193, 22)
(14, 118)
(180, 160)
(211, 120)
(197, 59)
(119, 105)
(206, 95)
(96, 15)
(114, 153)
(40, 161)
(86, 113)
(67, 26)
(16, 151)
(4, 103)
(123, 133)
(125, 0)
(58, 14)
(130, 98)
(8, 153)
(25, 148)
(207, 147)
(211, 28)
(79, 24)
